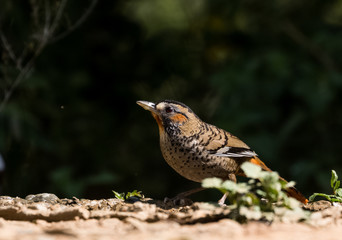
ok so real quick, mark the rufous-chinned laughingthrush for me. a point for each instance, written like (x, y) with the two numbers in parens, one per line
(198, 150)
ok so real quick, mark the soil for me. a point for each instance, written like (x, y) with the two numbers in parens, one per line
(46, 217)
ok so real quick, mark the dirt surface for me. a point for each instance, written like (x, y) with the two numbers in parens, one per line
(45, 217)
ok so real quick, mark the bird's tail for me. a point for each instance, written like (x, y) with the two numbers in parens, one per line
(291, 191)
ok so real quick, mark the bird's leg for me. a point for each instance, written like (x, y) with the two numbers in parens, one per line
(222, 199)
(190, 192)
(231, 177)
(183, 195)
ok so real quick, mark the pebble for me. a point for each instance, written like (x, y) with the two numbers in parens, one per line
(43, 197)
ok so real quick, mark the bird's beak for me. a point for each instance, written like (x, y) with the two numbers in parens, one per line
(150, 106)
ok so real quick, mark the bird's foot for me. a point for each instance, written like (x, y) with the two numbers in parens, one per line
(221, 202)
(178, 200)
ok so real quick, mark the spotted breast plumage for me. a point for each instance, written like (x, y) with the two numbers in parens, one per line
(198, 150)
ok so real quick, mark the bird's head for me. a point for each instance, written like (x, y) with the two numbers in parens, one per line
(172, 117)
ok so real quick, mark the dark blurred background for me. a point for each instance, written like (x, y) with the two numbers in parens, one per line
(267, 71)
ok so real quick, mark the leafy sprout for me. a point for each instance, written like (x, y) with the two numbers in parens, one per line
(337, 191)
(124, 196)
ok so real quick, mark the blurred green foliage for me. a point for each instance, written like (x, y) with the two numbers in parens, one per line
(263, 197)
(268, 71)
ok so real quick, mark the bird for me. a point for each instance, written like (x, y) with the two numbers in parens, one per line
(198, 150)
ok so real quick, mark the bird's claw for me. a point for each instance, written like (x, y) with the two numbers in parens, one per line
(178, 201)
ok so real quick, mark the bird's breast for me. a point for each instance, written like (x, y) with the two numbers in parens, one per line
(187, 157)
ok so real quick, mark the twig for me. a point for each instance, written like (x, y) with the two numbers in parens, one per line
(85, 15)
(58, 16)
(23, 74)
(46, 30)
(44, 38)
(8, 48)
(26, 69)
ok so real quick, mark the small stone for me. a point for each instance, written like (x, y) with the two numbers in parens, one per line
(43, 197)
(317, 205)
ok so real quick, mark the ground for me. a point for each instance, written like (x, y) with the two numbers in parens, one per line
(45, 217)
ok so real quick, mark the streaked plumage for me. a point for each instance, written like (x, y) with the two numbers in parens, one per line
(198, 150)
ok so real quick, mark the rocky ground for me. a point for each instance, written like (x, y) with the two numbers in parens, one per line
(45, 217)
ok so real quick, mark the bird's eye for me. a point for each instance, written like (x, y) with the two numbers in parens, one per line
(168, 109)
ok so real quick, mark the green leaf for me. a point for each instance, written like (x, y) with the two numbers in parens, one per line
(261, 193)
(337, 185)
(313, 196)
(336, 199)
(338, 192)
(253, 213)
(290, 184)
(230, 186)
(135, 193)
(333, 179)
(251, 170)
(212, 183)
(293, 203)
(120, 196)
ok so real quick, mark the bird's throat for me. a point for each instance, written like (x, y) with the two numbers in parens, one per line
(159, 122)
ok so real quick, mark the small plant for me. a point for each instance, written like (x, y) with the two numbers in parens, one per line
(337, 191)
(262, 197)
(124, 196)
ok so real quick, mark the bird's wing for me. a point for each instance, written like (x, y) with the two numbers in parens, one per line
(221, 143)
(233, 152)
